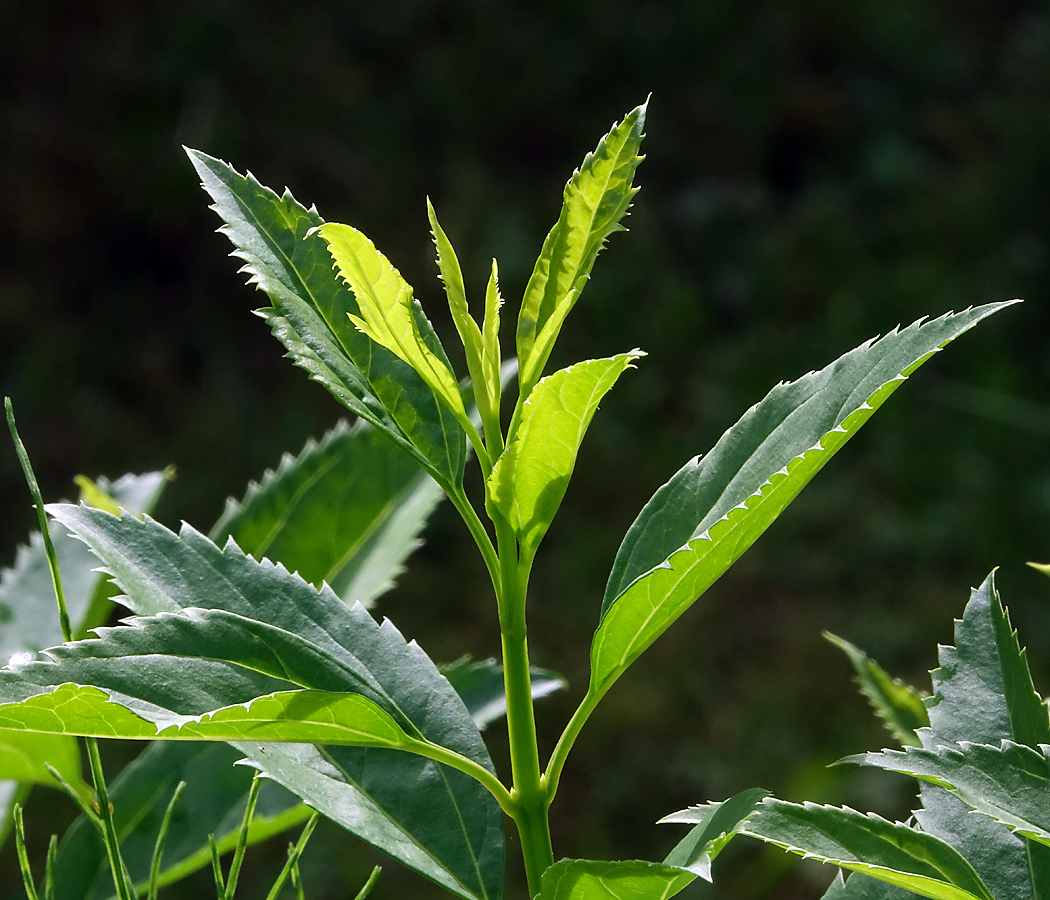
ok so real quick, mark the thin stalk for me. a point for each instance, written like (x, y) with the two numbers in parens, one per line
(242, 838)
(49, 870)
(49, 547)
(23, 857)
(568, 737)
(297, 881)
(368, 885)
(74, 795)
(477, 531)
(293, 857)
(158, 848)
(121, 879)
(216, 868)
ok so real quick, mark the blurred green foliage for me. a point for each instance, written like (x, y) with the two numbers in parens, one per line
(817, 172)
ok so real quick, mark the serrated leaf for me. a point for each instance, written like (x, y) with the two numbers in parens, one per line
(212, 803)
(714, 508)
(389, 314)
(590, 879)
(983, 690)
(480, 685)
(595, 199)
(346, 511)
(715, 825)
(29, 622)
(528, 482)
(473, 344)
(898, 704)
(275, 238)
(434, 819)
(861, 887)
(1009, 783)
(889, 851)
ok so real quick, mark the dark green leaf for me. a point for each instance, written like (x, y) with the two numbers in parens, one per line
(347, 510)
(1010, 783)
(436, 820)
(212, 803)
(273, 236)
(714, 508)
(899, 705)
(892, 852)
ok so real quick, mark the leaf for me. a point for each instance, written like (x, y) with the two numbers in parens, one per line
(861, 887)
(491, 356)
(983, 690)
(473, 344)
(29, 622)
(346, 511)
(212, 803)
(589, 879)
(390, 315)
(434, 819)
(480, 686)
(888, 851)
(715, 825)
(595, 199)
(899, 705)
(285, 258)
(714, 508)
(528, 482)
(1008, 783)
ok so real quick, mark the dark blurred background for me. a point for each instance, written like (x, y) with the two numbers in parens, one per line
(817, 173)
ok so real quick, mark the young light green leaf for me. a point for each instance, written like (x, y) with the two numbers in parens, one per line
(437, 820)
(715, 824)
(491, 356)
(899, 705)
(347, 511)
(1008, 783)
(389, 313)
(889, 851)
(480, 685)
(212, 803)
(590, 879)
(528, 482)
(469, 333)
(284, 257)
(595, 199)
(714, 508)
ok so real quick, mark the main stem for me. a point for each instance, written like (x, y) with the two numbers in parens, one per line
(528, 794)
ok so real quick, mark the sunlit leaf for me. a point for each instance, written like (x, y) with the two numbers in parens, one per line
(715, 507)
(590, 879)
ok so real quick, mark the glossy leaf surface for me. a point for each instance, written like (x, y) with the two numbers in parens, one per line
(595, 199)
(529, 480)
(273, 236)
(715, 507)
(437, 820)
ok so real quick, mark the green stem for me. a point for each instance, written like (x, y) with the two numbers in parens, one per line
(528, 794)
(454, 760)
(478, 532)
(121, 879)
(49, 547)
(568, 737)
